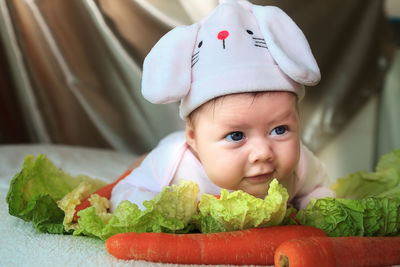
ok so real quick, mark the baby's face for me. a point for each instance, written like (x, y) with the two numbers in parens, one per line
(244, 141)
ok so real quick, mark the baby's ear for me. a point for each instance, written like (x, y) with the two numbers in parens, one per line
(287, 44)
(167, 68)
(190, 134)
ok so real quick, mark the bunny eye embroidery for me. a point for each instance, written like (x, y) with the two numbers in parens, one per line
(195, 56)
(258, 42)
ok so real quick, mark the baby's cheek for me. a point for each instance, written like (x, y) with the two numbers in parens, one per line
(223, 168)
(223, 175)
(290, 166)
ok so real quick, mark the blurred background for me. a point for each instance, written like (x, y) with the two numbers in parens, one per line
(70, 74)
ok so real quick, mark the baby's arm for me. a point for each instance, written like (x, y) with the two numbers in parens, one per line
(151, 172)
(125, 190)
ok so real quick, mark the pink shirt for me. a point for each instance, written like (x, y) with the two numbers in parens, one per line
(172, 161)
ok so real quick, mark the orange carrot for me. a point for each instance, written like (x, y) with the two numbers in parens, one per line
(252, 246)
(103, 192)
(338, 251)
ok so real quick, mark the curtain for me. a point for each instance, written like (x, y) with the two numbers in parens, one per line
(71, 70)
(388, 130)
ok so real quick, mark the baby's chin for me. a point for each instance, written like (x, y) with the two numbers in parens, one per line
(259, 192)
(262, 196)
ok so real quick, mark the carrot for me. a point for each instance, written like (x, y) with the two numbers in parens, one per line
(103, 192)
(252, 246)
(338, 251)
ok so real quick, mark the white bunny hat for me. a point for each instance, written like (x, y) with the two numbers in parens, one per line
(239, 47)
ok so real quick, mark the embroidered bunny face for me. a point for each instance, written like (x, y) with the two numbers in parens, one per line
(239, 47)
(233, 38)
(223, 35)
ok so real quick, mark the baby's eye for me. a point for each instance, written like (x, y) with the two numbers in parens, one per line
(279, 130)
(235, 136)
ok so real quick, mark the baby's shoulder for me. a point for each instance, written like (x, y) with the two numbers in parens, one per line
(173, 139)
(309, 164)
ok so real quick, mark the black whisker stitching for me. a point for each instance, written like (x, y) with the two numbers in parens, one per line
(260, 46)
(255, 38)
(195, 54)
(260, 42)
(193, 59)
(195, 62)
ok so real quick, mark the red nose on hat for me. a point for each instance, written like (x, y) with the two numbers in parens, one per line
(222, 35)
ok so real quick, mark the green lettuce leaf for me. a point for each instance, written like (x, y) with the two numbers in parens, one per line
(35, 190)
(170, 212)
(367, 203)
(239, 210)
(337, 217)
(385, 181)
(382, 216)
(373, 216)
(44, 214)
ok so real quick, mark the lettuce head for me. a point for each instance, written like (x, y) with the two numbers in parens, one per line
(170, 212)
(239, 210)
(385, 181)
(47, 196)
(35, 190)
(372, 216)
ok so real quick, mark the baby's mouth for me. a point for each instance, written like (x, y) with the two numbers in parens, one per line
(261, 178)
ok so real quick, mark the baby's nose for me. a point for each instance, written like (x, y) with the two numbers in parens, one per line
(261, 152)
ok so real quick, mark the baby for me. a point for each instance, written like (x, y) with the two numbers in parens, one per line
(239, 75)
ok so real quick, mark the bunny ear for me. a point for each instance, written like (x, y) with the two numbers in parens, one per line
(167, 68)
(287, 44)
